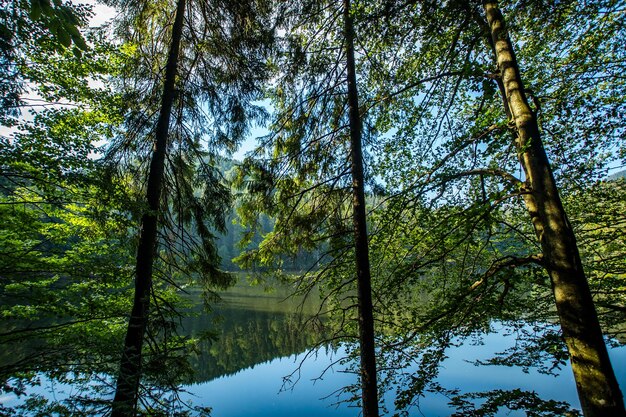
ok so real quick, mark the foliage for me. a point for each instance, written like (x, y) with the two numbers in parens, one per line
(450, 240)
(452, 249)
(212, 113)
(64, 255)
(512, 400)
(299, 175)
(598, 218)
(38, 26)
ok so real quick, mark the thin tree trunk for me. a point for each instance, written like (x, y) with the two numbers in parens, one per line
(125, 401)
(597, 386)
(369, 389)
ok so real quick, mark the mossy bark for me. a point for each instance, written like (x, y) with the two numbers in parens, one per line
(597, 386)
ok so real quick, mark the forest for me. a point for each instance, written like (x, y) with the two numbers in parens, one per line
(422, 169)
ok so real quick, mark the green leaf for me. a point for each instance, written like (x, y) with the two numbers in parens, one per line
(64, 37)
(47, 8)
(77, 38)
(35, 10)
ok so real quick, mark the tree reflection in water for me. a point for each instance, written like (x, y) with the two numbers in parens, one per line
(245, 347)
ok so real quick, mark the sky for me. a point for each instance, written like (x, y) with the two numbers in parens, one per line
(102, 13)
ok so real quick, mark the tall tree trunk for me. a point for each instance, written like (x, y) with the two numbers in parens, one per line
(597, 386)
(125, 401)
(369, 389)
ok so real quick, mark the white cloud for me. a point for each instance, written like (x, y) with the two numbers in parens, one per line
(102, 14)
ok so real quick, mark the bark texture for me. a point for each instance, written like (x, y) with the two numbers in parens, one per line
(369, 389)
(597, 386)
(125, 401)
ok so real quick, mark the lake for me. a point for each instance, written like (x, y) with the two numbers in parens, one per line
(261, 340)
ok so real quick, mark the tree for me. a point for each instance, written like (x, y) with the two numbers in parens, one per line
(597, 386)
(125, 400)
(197, 74)
(26, 26)
(437, 96)
(312, 181)
(369, 387)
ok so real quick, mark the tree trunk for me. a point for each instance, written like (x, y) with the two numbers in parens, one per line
(369, 389)
(597, 386)
(125, 401)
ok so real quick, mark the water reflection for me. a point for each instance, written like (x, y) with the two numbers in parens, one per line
(260, 338)
(258, 390)
(250, 326)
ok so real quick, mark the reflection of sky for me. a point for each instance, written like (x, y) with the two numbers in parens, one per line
(257, 391)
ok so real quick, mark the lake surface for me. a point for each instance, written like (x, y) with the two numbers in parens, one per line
(261, 339)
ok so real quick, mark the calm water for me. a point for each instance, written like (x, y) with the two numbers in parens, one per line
(262, 340)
